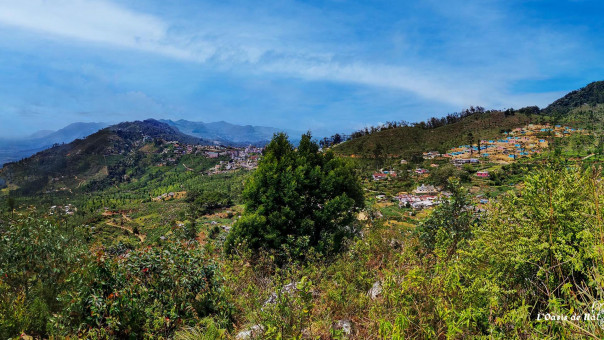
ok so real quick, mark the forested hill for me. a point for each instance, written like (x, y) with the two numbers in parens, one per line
(423, 136)
(91, 157)
(401, 141)
(151, 128)
(591, 94)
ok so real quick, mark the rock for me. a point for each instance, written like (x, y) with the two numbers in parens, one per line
(344, 325)
(253, 332)
(288, 289)
(395, 244)
(375, 291)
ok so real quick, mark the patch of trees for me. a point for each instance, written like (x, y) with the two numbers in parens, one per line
(431, 123)
(202, 202)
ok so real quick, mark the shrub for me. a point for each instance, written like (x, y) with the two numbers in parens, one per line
(147, 293)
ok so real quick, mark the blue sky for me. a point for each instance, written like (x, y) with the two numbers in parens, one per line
(328, 66)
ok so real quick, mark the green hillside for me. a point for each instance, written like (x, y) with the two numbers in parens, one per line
(108, 153)
(401, 141)
(592, 94)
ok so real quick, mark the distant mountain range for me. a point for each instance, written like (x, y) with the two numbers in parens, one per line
(231, 134)
(221, 132)
(14, 149)
(113, 151)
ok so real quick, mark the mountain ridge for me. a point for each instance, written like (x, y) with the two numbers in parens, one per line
(591, 94)
(228, 133)
(14, 149)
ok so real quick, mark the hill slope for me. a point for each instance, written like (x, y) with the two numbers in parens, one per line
(403, 140)
(592, 94)
(15, 149)
(90, 158)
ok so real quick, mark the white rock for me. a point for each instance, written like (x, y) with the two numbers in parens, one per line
(375, 291)
(288, 289)
(345, 326)
(252, 332)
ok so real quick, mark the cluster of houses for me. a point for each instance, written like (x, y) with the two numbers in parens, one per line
(384, 174)
(518, 143)
(68, 209)
(182, 149)
(424, 196)
(250, 163)
(169, 196)
(233, 153)
(239, 158)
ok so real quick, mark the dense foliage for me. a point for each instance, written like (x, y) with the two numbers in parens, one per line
(298, 199)
(148, 292)
(36, 259)
(50, 284)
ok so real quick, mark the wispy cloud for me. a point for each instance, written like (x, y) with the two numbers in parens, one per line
(108, 23)
(99, 22)
(456, 53)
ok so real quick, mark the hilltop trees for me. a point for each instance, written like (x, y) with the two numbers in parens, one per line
(296, 200)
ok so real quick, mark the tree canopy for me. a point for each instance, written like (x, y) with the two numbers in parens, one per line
(298, 199)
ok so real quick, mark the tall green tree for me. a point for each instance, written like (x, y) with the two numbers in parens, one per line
(298, 199)
(11, 205)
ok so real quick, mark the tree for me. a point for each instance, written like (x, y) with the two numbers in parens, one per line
(378, 154)
(297, 200)
(11, 205)
(207, 201)
(450, 223)
(337, 139)
(470, 141)
(440, 176)
(478, 144)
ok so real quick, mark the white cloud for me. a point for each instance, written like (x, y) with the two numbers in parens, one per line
(95, 21)
(236, 42)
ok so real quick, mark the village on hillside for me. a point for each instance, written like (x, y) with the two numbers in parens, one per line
(520, 142)
(481, 156)
(238, 157)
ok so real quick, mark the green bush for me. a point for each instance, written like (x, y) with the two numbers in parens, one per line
(146, 293)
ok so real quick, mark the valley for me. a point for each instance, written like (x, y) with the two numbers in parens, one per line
(142, 231)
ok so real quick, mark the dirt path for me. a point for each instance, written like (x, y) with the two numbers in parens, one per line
(140, 237)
